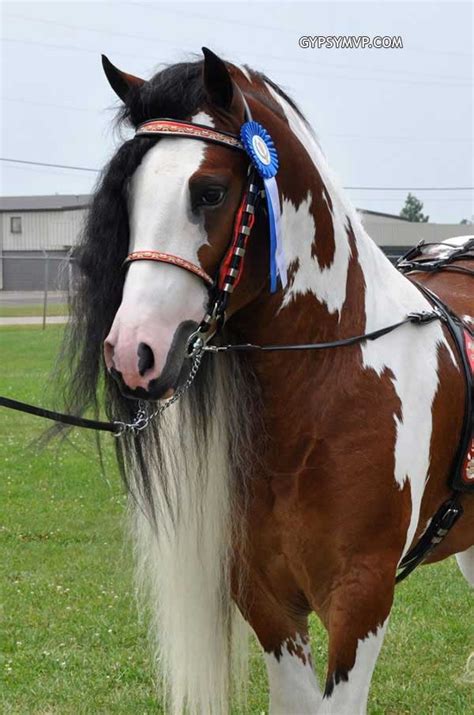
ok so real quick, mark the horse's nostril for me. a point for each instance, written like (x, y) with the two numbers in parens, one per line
(146, 358)
(108, 354)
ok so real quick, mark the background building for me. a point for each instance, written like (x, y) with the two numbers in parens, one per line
(33, 228)
(37, 234)
(395, 235)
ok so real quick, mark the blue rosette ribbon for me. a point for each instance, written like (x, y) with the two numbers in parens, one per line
(260, 148)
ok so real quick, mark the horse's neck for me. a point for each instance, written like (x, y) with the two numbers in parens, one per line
(329, 255)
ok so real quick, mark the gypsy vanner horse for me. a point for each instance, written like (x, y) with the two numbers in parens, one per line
(280, 483)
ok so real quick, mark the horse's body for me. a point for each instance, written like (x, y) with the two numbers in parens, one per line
(309, 503)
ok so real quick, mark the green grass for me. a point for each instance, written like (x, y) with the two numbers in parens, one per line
(15, 311)
(71, 639)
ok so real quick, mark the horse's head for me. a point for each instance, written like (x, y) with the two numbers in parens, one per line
(182, 200)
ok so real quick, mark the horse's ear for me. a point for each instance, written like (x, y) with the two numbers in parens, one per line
(121, 82)
(217, 80)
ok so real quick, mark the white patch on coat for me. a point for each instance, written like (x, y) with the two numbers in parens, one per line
(327, 284)
(411, 352)
(293, 683)
(465, 561)
(350, 697)
(245, 72)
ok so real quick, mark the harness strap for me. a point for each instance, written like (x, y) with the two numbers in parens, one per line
(416, 260)
(231, 267)
(439, 526)
(459, 479)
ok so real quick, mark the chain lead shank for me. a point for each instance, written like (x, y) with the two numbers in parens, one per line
(142, 418)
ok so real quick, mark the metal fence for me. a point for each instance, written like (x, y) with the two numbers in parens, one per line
(39, 279)
(45, 278)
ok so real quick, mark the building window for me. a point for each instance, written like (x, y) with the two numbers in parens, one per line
(15, 224)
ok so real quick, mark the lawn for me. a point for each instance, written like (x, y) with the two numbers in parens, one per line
(15, 311)
(71, 639)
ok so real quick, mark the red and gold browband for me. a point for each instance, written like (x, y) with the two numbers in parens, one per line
(174, 127)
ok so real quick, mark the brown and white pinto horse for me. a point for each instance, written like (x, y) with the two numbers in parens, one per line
(280, 483)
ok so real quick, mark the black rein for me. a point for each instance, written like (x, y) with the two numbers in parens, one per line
(118, 428)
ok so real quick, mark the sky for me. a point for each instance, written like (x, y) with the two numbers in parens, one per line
(385, 117)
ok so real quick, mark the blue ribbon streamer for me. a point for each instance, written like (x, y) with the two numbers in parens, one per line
(260, 148)
(277, 259)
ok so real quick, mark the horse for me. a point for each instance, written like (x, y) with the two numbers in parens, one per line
(279, 483)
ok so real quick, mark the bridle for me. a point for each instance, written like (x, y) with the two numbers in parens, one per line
(231, 267)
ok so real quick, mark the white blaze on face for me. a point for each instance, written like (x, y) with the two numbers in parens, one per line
(158, 297)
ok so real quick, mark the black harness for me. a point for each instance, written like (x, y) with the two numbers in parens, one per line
(418, 259)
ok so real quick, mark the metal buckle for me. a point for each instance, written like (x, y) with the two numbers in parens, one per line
(425, 316)
(195, 344)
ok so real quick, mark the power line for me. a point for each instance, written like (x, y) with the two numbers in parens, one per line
(278, 58)
(381, 200)
(101, 30)
(359, 188)
(270, 28)
(293, 73)
(54, 166)
(366, 137)
(53, 105)
(411, 188)
(74, 48)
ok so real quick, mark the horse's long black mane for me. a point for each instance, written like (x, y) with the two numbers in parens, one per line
(176, 92)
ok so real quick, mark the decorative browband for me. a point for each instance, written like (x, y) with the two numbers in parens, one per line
(174, 127)
(160, 257)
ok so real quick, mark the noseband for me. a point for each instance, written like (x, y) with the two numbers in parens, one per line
(160, 257)
(230, 270)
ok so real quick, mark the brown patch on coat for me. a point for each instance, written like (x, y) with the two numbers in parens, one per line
(326, 522)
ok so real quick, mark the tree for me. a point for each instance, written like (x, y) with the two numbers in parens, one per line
(413, 210)
(466, 222)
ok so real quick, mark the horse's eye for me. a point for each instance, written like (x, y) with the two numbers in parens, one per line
(212, 196)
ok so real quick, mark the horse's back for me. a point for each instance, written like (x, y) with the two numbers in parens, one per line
(455, 285)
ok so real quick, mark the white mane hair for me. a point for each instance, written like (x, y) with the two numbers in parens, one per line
(183, 548)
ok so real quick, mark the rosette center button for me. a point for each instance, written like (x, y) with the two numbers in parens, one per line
(261, 149)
